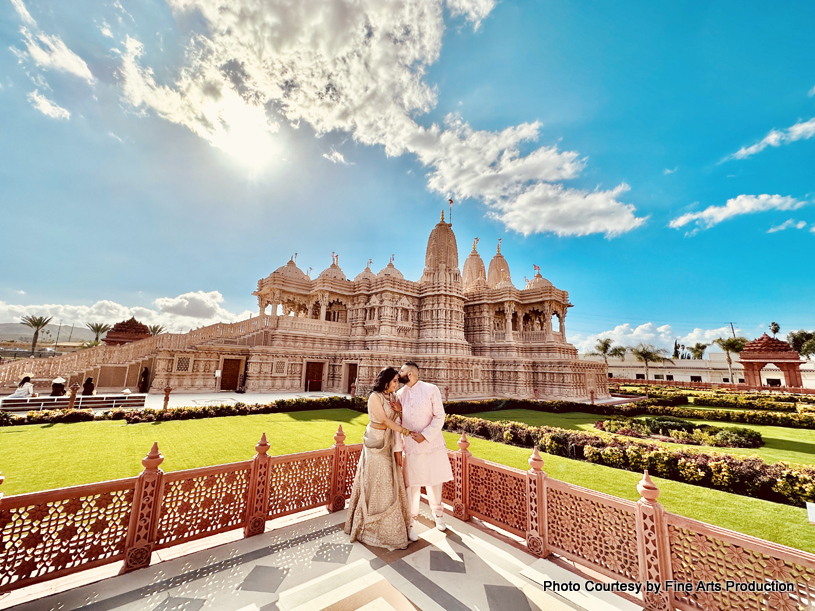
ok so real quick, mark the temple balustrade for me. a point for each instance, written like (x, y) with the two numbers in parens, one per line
(55, 533)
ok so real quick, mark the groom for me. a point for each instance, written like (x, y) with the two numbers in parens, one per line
(426, 462)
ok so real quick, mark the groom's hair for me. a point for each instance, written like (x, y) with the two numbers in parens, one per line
(413, 366)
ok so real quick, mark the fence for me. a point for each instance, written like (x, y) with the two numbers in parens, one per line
(48, 534)
(712, 385)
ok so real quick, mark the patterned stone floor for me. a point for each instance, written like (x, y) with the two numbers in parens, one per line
(311, 566)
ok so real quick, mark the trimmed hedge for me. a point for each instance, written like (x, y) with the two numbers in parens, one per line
(748, 476)
(682, 431)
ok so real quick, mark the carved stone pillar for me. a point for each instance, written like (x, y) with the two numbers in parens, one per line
(653, 547)
(338, 472)
(460, 477)
(537, 541)
(257, 508)
(322, 297)
(509, 309)
(145, 513)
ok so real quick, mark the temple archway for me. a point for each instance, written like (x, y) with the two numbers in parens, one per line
(766, 350)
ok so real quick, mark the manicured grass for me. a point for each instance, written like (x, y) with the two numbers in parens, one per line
(780, 443)
(39, 457)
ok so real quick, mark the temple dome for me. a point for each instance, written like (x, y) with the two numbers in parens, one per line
(499, 276)
(765, 344)
(333, 272)
(474, 275)
(442, 250)
(290, 270)
(365, 274)
(391, 272)
(538, 282)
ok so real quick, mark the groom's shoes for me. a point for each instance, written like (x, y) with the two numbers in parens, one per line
(440, 523)
(412, 534)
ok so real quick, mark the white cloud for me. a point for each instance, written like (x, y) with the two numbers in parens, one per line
(359, 67)
(811, 92)
(786, 225)
(177, 314)
(336, 157)
(23, 12)
(51, 53)
(115, 137)
(667, 171)
(662, 336)
(743, 204)
(47, 107)
(105, 29)
(20, 292)
(803, 130)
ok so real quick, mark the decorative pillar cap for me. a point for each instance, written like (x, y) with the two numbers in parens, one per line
(167, 389)
(74, 387)
(535, 461)
(647, 488)
(339, 437)
(153, 459)
(262, 446)
(463, 444)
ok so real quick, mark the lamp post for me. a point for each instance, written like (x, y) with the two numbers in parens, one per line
(56, 343)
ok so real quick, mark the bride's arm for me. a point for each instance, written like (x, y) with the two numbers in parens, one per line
(376, 409)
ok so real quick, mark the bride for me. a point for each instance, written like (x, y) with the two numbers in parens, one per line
(378, 511)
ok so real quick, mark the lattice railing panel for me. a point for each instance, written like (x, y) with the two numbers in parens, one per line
(202, 505)
(596, 532)
(351, 468)
(498, 495)
(699, 557)
(300, 483)
(85, 525)
(448, 491)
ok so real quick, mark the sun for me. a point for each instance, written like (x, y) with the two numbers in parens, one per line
(245, 134)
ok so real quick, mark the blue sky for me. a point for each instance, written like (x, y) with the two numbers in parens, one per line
(655, 161)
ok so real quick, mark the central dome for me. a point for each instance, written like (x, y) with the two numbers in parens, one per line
(442, 254)
(498, 276)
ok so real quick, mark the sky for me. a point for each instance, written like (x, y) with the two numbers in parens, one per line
(654, 159)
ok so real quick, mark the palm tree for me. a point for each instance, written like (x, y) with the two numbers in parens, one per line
(98, 328)
(157, 330)
(604, 348)
(731, 344)
(648, 353)
(36, 323)
(698, 351)
(774, 328)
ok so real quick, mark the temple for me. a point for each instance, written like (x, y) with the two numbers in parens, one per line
(473, 333)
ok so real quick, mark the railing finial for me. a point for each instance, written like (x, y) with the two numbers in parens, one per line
(463, 444)
(535, 461)
(153, 459)
(647, 488)
(339, 437)
(262, 446)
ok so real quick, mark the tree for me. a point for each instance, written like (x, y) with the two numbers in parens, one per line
(698, 350)
(156, 330)
(774, 328)
(36, 323)
(797, 339)
(98, 328)
(605, 348)
(808, 349)
(731, 344)
(648, 353)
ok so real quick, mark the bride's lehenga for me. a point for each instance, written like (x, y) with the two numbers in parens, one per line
(378, 510)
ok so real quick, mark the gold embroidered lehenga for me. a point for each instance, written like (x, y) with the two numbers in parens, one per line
(378, 510)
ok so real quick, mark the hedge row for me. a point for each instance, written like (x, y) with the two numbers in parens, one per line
(738, 398)
(748, 476)
(682, 431)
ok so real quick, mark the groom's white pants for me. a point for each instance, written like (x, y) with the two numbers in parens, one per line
(433, 498)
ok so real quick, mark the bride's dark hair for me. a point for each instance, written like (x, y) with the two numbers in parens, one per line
(384, 378)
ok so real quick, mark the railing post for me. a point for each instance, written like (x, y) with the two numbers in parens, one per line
(537, 530)
(72, 401)
(338, 472)
(257, 507)
(167, 390)
(653, 547)
(460, 476)
(141, 531)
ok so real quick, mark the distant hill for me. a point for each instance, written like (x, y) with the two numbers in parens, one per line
(15, 330)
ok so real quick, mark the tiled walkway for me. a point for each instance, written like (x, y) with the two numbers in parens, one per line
(311, 566)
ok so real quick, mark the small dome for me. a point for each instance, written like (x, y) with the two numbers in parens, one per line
(390, 271)
(365, 274)
(538, 282)
(332, 273)
(505, 284)
(765, 344)
(290, 270)
(474, 275)
(499, 270)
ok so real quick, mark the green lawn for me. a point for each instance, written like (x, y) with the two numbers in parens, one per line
(39, 457)
(780, 443)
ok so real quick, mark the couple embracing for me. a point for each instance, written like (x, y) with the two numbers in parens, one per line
(403, 449)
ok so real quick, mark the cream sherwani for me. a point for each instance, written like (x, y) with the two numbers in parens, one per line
(426, 463)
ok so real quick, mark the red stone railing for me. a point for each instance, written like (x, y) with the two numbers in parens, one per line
(49, 534)
(711, 385)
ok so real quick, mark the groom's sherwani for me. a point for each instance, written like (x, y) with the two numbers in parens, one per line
(426, 463)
